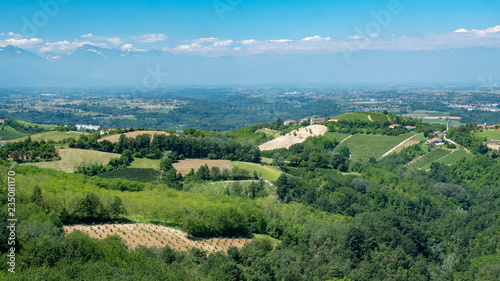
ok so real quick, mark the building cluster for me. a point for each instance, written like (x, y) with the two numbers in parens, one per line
(87, 127)
(311, 121)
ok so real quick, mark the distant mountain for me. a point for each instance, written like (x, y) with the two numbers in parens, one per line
(13, 52)
(95, 66)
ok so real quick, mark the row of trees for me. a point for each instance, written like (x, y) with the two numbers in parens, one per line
(212, 145)
(28, 151)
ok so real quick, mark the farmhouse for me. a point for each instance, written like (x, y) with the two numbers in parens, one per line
(434, 141)
(410, 128)
(290, 122)
(394, 126)
(317, 120)
(105, 131)
(304, 120)
(3, 143)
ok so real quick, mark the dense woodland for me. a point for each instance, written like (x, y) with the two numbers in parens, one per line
(336, 219)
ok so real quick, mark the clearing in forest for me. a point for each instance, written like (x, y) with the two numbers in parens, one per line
(72, 158)
(116, 138)
(294, 137)
(149, 235)
(184, 166)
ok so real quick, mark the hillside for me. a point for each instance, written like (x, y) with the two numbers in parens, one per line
(297, 136)
(327, 195)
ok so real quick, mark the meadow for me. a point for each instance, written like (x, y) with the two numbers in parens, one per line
(55, 136)
(72, 158)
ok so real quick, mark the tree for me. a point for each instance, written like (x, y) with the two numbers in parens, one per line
(116, 208)
(203, 173)
(36, 197)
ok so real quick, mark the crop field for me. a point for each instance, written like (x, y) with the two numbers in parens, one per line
(337, 136)
(434, 155)
(9, 133)
(72, 158)
(134, 174)
(267, 172)
(184, 166)
(294, 137)
(116, 138)
(363, 147)
(364, 116)
(414, 140)
(455, 156)
(490, 134)
(151, 235)
(53, 136)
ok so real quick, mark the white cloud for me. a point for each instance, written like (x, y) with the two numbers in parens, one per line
(206, 40)
(281, 41)
(21, 43)
(316, 38)
(222, 43)
(88, 35)
(127, 47)
(149, 38)
(65, 45)
(355, 37)
(248, 42)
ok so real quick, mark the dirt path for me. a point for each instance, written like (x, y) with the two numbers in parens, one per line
(370, 118)
(344, 140)
(394, 148)
(294, 137)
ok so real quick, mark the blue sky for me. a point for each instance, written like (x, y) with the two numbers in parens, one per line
(244, 27)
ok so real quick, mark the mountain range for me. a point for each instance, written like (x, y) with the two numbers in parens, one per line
(94, 66)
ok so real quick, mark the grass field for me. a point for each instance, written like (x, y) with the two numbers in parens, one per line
(337, 136)
(134, 174)
(364, 116)
(490, 134)
(429, 158)
(71, 159)
(9, 133)
(53, 136)
(267, 172)
(455, 156)
(363, 147)
(145, 163)
(47, 127)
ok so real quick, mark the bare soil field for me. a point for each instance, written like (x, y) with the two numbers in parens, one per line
(149, 235)
(294, 137)
(493, 146)
(184, 166)
(116, 138)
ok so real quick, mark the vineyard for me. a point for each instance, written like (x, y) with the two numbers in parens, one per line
(151, 235)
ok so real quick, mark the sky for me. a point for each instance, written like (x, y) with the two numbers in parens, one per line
(244, 28)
